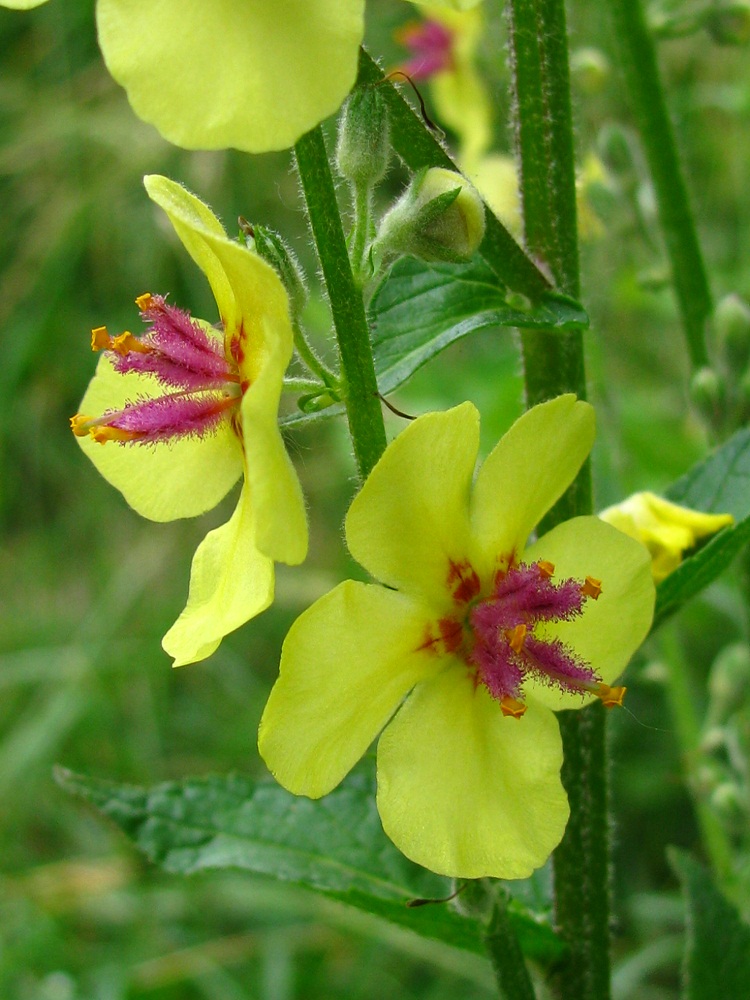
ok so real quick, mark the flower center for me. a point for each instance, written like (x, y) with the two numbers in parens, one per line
(201, 379)
(509, 636)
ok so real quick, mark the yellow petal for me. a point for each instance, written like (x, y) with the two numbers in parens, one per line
(346, 664)
(410, 518)
(244, 73)
(612, 627)
(21, 4)
(526, 472)
(466, 791)
(193, 222)
(450, 4)
(230, 583)
(666, 529)
(165, 481)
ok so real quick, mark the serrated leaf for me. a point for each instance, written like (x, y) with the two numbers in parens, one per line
(335, 846)
(422, 308)
(720, 484)
(717, 950)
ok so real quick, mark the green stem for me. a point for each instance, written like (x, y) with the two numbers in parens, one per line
(310, 358)
(638, 59)
(359, 385)
(505, 953)
(687, 725)
(418, 147)
(362, 194)
(554, 363)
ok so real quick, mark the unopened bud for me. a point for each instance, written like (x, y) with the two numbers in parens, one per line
(363, 146)
(440, 217)
(589, 69)
(729, 682)
(707, 391)
(614, 147)
(732, 326)
(729, 23)
(728, 802)
(274, 251)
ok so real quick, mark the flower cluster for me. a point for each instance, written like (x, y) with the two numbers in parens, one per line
(471, 640)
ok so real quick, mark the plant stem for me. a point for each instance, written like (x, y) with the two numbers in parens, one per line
(310, 358)
(362, 197)
(359, 386)
(554, 363)
(638, 60)
(505, 952)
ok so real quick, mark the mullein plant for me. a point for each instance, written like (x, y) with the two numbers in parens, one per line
(499, 599)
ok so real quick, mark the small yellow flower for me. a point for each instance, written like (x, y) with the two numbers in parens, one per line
(249, 74)
(667, 530)
(476, 636)
(174, 418)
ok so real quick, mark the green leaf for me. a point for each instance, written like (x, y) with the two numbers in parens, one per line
(720, 484)
(422, 308)
(717, 952)
(335, 846)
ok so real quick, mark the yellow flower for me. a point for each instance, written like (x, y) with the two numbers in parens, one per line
(250, 74)
(180, 414)
(667, 530)
(473, 640)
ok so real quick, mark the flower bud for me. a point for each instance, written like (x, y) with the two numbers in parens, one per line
(615, 149)
(732, 326)
(589, 69)
(729, 682)
(274, 251)
(708, 393)
(729, 23)
(363, 145)
(440, 217)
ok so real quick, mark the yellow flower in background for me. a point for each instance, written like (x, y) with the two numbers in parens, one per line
(247, 74)
(476, 636)
(666, 529)
(174, 418)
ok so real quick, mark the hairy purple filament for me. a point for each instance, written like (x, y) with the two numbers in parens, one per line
(506, 650)
(179, 354)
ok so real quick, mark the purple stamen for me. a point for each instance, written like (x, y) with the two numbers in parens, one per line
(431, 44)
(164, 418)
(506, 650)
(181, 354)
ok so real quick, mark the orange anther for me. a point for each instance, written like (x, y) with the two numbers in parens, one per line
(100, 339)
(511, 706)
(546, 568)
(591, 587)
(515, 637)
(126, 343)
(611, 696)
(103, 434)
(144, 301)
(80, 425)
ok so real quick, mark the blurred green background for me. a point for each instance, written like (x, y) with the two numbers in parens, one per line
(88, 588)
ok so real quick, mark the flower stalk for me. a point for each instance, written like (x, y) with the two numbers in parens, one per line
(641, 74)
(359, 386)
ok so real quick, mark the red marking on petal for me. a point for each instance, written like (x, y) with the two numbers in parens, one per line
(463, 581)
